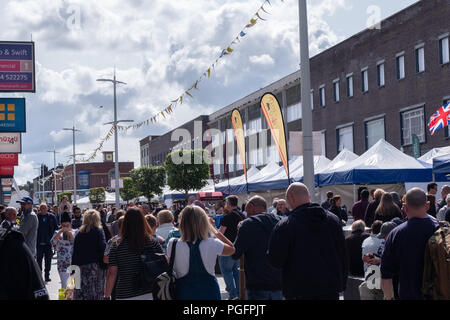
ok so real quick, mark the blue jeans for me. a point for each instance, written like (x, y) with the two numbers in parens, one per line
(230, 273)
(264, 295)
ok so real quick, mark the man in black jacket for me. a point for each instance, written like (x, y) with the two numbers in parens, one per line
(21, 276)
(46, 229)
(263, 282)
(309, 248)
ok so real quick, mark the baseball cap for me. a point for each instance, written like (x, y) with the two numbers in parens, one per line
(25, 200)
(386, 228)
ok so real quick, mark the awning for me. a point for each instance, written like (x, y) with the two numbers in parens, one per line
(209, 196)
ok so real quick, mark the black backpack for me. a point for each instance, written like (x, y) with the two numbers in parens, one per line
(153, 264)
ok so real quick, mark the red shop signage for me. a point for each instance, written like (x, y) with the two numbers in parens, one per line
(9, 159)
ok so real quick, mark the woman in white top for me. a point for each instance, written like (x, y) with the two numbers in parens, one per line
(196, 255)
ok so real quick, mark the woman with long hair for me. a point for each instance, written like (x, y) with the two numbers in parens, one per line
(89, 246)
(196, 255)
(387, 209)
(335, 207)
(125, 263)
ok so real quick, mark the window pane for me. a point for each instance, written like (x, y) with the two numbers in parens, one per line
(413, 123)
(374, 132)
(322, 96)
(336, 92)
(420, 59)
(444, 51)
(401, 67)
(381, 80)
(350, 86)
(365, 81)
(346, 138)
(294, 112)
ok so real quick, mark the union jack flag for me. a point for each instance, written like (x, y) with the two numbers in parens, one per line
(440, 119)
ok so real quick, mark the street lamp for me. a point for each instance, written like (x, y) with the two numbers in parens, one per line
(74, 165)
(305, 79)
(54, 173)
(116, 142)
(75, 175)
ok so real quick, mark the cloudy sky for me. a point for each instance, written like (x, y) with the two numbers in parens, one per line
(160, 48)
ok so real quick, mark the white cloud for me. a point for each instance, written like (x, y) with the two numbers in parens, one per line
(264, 60)
(160, 48)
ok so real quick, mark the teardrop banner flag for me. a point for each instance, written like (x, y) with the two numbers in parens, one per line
(238, 127)
(272, 112)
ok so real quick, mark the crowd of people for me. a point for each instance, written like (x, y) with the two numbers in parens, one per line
(294, 249)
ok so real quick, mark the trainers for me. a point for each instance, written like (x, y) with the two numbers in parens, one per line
(48, 279)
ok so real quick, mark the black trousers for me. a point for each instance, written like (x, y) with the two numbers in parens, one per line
(44, 251)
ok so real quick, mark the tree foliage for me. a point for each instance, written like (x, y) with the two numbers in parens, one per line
(129, 190)
(191, 174)
(62, 194)
(149, 181)
(97, 195)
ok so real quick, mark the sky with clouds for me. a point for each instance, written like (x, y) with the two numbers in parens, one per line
(160, 48)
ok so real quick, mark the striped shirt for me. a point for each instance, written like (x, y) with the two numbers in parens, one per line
(129, 266)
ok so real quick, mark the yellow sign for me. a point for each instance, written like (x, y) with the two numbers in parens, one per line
(238, 127)
(272, 112)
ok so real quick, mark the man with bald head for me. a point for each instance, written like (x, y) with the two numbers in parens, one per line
(404, 250)
(263, 282)
(309, 248)
(445, 191)
(46, 229)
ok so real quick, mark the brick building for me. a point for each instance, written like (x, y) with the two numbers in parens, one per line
(154, 149)
(378, 84)
(89, 175)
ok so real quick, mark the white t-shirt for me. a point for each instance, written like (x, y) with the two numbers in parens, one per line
(209, 250)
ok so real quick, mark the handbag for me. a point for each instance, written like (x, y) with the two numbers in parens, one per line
(164, 284)
(154, 264)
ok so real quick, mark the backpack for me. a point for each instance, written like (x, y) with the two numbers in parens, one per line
(436, 275)
(153, 265)
(164, 285)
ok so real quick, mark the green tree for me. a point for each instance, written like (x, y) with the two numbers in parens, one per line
(129, 191)
(149, 181)
(187, 170)
(28, 187)
(97, 195)
(62, 194)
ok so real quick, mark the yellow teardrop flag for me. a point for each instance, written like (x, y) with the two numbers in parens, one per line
(209, 72)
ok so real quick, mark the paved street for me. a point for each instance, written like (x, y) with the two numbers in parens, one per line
(54, 285)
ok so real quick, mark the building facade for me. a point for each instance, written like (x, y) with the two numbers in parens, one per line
(154, 149)
(378, 84)
(89, 175)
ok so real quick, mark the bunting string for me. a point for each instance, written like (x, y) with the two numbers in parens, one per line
(167, 111)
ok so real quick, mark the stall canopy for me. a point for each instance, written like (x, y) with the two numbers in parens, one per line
(342, 159)
(434, 153)
(237, 184)
(441, 165)
(381, 164)
(275, 178)
(428, 159)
